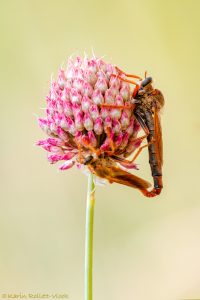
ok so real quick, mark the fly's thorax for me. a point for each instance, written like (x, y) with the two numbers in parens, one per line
(144, 102)
(148, 98)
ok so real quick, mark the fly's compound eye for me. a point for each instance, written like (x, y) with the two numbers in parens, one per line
(146, 81)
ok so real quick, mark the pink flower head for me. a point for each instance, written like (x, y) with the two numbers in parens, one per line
(77, 123)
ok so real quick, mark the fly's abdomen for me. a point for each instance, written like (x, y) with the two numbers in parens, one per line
(154, 163)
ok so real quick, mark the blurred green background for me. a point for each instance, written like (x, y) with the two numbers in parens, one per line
(143, 248)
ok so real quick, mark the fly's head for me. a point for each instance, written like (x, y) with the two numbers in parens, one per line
(89, 158)
(145, 87)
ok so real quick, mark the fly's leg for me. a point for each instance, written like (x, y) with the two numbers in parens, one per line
(87, 145)
(146, 130)
(138, 152)
(136, 89)
(131, 106)
(141, 138)
(129, 163)
(126, 80)
(80, 156)
(129, 81)
(128, 75)
(111, 143)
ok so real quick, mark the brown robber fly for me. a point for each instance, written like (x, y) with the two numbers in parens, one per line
(147, 103)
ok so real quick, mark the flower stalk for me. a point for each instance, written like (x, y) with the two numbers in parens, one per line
(89, 237)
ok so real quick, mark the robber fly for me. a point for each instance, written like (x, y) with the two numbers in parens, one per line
(147, 104)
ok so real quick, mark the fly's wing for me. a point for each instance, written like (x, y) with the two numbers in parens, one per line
(115, 174)
(158, 138)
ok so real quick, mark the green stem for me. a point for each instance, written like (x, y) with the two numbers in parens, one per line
(89, 237)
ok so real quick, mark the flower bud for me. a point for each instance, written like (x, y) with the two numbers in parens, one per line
(115, 113)
(131, 165)
(111, 69)
(87, 121)
(86, 103)
(125, 93)
(124, 141)
(53, 128)
(133, 145)
(107, 123)
(98, 126)
(130, 128)
(67, 165)
(92, 65)
(53, 158)
(116, 126)
(124, 120)
(101, 84)
(87, 89)
(104, 112)
(76, 108)
(63, 123)
(101, 65)
(118, 140)
(79, 121)
(94, 112)
(92, 139)
(114, 90)
(97, 97)
(78, 84)
(61, 78)
(67, 107)
(109, 97)
(65, 96)
(75, 97)
(55, 142)
(91, 77)
(62, 134)
(70, 125)
(44, 125)
(60, 106)
(114, 81)
(78, 61)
